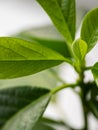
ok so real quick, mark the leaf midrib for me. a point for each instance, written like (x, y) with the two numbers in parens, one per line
(13, 51)
(64, 20)
(25, 107)
(32, 103)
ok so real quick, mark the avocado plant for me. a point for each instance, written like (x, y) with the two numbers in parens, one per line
(22, 107)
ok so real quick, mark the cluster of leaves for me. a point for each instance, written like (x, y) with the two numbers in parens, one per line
(22, 107)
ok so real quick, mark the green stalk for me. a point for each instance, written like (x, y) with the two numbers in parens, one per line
(89, 68)
(85, 114)
(57, 89)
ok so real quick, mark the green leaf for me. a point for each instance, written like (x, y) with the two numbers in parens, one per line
(51, 121)
(14, 99)
(62, 14)
(21, 107)
(59, 123)
(94, 107)
(47, 36)
(95, 72)
(44, 78)
(93, 101)
(68, 8)
(80, 49)
(42, 126)
(20, 58)
(94, 92)
(89, 30)
(57, 45)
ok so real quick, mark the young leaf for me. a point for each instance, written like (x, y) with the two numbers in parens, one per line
(89, 30)
(80, 49)
(21, 107)
(95, 72)
(62, 14)
(20, 58)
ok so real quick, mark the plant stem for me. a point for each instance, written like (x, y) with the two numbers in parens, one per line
(85, 117)
(86, 121)
(83, 98)
(89, 68)
(83, 95)
(55, 90)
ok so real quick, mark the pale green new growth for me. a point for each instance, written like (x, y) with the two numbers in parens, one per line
(80, 49)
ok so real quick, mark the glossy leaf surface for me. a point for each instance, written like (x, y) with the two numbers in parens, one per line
(56, 45)
(69, 12)
(61, 14)
(20, 58)
(21, 107)
(47, 36)
(95, 72)
(89, 30)
(80, 49)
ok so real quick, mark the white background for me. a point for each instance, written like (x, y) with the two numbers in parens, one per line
(16, 15)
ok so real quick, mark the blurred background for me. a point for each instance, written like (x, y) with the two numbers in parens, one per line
(26, 15)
